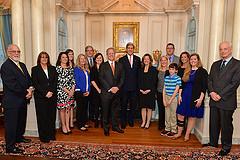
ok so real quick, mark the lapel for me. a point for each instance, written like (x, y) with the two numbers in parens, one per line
(226, 68)
(17, 69)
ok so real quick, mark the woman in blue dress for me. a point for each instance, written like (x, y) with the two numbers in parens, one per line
(191, 95)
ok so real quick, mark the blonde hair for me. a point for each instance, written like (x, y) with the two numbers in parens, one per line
(160, 65)
(86, 66)
(188, 69)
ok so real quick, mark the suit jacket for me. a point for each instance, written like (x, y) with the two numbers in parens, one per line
(131, 74)
(43, 84)
(107, 79)
(175, 60)
(15, 84)
(199, 85)
(225, 84)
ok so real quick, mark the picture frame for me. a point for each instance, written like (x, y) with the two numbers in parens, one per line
(124, 32)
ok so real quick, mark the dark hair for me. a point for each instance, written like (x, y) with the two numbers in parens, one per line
(130, 44)
(150, 57)
(95, 57)
(171, 44)
(68, 51)
(88, 47)
(39, 58)
(180, 61)
(59, 58)
(173, 65)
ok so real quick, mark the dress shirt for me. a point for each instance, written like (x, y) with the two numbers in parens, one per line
(89, 61)
(227, 60)
(170, 58)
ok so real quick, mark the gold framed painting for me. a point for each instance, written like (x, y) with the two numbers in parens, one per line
(124, 32)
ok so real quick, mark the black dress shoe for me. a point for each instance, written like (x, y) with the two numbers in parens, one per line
(123, 126)
(15, 151)
(131, 124)
(209, 145)
(53, 139)
(88, 126)
(118, 130)
(24, 140)
(45, 140)
(223, 152)
(106, 133)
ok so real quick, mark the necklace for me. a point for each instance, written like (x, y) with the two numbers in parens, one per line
(193, 72)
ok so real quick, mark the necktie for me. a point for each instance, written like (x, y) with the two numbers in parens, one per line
(170, 59)
(91, 63)
(112, 67)
(19, 67)
(130, 61)
(222, 66)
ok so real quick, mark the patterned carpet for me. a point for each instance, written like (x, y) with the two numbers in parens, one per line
(78, 150)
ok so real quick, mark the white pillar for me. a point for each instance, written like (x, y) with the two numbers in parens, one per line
(216, 32)
(37, 29)
(18, 26)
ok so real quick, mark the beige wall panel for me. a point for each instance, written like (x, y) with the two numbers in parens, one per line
(76, 33)
(95, 32)
(157, 36)
(177, 31)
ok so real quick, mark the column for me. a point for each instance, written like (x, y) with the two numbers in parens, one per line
(37, 29)
(216, 32)
(18, 26)
(236, 36)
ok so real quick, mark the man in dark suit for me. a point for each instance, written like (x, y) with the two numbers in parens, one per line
(170, 48)
(111, 75)
(17, 92)
(89, 53)
(131, 64)
(223, 81)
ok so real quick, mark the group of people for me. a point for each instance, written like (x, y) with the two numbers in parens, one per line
(178, 84)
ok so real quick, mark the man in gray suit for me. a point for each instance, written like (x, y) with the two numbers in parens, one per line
(170, 48)
(223, 81)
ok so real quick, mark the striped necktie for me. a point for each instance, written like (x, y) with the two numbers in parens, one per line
(222, 66)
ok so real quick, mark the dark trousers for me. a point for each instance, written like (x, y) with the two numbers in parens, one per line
(98, 112)
(221, 120)
(82, 102)
(110, 104)
(91, 108)
(161, 111)
(46, 117)
(130, 96)
(15, 124)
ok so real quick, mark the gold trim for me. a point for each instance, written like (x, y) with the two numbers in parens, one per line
(117, 26)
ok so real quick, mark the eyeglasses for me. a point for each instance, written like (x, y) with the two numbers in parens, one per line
(15, 51)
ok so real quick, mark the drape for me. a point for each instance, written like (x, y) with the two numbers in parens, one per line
(5, 29)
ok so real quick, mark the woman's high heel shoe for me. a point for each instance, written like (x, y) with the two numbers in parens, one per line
(66, 133)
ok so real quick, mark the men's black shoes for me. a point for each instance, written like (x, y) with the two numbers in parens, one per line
(223, 152)
(106, 133)
(15, 151)
(131, 124)
(118, 130)
(24, 140)
(209, 145)
(123, 126)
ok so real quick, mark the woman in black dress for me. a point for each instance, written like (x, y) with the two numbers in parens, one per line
(44, 77)
(147, 80)
(96, 91)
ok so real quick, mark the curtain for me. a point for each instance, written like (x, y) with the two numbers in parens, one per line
(5, 29)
